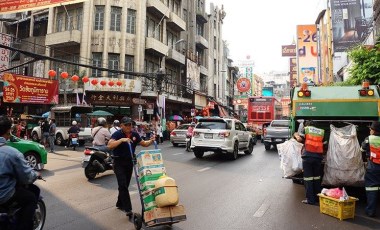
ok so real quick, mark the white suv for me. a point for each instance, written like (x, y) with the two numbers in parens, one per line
(221, 135)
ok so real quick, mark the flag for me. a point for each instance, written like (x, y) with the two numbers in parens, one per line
(84, 98)
(158, 110)
(78, 100)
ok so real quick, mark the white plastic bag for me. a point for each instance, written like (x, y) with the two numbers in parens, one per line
(291, 161)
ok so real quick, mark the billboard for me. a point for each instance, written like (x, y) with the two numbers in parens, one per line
(307, 53)
(267, 92)
(289, 51)
(351, 22)
(31, 90)
(12, 6)
(193, 73)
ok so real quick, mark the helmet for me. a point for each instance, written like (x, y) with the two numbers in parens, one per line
(192, 123)
(102, 121)
(74, 123)
(116, 122)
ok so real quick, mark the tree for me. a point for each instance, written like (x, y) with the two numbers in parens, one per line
(366, 64)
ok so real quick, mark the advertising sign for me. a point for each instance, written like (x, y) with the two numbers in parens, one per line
(117, 85)
(193, 74)
(12, 6)
(267, 91)
(243, 84)
(289, 51)
(4, 53)
(307, 53)
(351, 22)
(31, 90)
(293, 71)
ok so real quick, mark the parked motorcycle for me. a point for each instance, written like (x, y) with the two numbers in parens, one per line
(73, 140)
(95, 162)
(8, 214)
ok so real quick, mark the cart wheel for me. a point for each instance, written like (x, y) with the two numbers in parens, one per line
(137, 221)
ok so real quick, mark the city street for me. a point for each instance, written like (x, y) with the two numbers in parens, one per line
(248, 193)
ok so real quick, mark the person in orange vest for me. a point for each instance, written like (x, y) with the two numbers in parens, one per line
(312, 160)
(371, 146)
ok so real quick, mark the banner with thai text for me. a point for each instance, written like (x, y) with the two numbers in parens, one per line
(12, 6)
(307, 54)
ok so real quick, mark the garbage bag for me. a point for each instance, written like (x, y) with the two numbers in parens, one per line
(291, 161)
(344, 164)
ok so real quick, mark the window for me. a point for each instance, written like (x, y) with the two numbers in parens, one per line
(97, 61)
(153, 29)
(176, 7)
(79, 18)
(59, 27)
(200, 29)
(184, 16)
(215, 43)
(129, 63)
(99, 18)
(115, 18)
(214, 66)
(113, 63)
(69, 20)
(131, 21)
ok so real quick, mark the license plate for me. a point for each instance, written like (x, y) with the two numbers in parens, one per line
(278, 139)
(74, 141)
(208, 135)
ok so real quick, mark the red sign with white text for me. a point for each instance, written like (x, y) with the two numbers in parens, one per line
(12, 6)
(32, 90)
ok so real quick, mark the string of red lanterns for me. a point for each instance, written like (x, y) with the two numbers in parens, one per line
(85, 79)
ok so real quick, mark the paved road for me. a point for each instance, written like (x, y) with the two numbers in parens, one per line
(248, 193)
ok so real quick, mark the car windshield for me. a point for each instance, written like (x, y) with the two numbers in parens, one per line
(284, 124)
(214, 125)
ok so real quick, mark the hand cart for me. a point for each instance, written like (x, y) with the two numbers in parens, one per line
(138, 219)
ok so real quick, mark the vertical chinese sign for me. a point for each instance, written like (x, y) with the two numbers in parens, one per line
(4, 53)
(307, 54)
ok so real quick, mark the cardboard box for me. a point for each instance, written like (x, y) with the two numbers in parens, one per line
(149, 200)
(177, 213)
(147, 182)
(149, 158)
(146, 171)
(157, 216)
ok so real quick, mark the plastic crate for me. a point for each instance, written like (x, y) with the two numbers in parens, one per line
(336, 208)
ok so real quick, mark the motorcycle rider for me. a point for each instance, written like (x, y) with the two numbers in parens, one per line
(116, 126)
(15, 171)
(73, 129)
(123, 165)
(101, 135)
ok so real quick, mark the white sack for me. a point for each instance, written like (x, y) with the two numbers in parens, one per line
(291, 161)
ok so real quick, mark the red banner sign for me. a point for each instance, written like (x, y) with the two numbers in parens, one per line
(32, 90)
(12, 6)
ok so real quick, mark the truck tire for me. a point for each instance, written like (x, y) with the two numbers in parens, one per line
(267, 146)
(198, 153)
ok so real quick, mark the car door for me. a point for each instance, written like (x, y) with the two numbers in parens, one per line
(242, 135)
(239, 133)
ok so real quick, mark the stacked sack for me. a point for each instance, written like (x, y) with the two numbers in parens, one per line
(159, 192)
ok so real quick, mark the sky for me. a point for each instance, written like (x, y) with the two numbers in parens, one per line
(259, 28)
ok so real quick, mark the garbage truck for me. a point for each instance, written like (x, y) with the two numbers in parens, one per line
(338, 106)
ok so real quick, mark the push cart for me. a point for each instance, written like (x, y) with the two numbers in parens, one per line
(138, 219)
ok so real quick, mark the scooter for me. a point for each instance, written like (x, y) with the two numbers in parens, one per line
(73, 138)
(8, 214)
(188, 142)
(95, 162)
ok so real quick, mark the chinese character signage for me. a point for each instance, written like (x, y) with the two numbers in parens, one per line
(31, 90)
(307, 53)
(4, 53)
(12, 6)
(110, 98)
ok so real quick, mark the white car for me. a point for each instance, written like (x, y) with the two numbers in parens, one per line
(221, 135)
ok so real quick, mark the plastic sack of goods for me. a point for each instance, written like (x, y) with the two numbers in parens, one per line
(344, 164)
(291, 161)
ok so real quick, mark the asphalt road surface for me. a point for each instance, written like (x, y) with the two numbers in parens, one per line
(248, 193)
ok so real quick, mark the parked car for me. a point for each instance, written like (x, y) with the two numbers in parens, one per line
(276, 133)
(34, 153)
(178, 135)
(221, 135)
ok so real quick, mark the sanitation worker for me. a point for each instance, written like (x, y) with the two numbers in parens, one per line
(312, 160)
(123, 165)
(371, 146)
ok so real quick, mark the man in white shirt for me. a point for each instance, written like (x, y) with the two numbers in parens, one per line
(115, 127)
(101, 135)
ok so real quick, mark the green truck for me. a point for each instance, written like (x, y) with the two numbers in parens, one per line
(336, 105)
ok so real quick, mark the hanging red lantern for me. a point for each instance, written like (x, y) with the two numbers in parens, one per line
(111, 83)
(64, 75)
(103, 83)
(94, 82)
(52, 73)
(75, 78)
(85, 79)
(119, 83)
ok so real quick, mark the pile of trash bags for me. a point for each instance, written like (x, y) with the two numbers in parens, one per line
(290, 154)
(344, 164)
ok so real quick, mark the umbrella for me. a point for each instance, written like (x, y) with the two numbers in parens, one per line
(175, 118)
(45, 115)
(198, 117)
(100, 113)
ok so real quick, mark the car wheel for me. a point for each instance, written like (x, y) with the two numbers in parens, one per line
(198, 153)
(59, 139)
(250, 148)
(267, 147)
(175, 144)
(32, 159)
(234, 154)
(35, 136)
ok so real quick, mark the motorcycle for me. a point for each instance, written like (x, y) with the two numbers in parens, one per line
(73, 139)
(95, 162)
(188, 142)
(8, 214)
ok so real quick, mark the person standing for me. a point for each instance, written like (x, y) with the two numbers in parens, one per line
(45, 132)
(371, 146)
(311, 161)
(14, 174)
(123, 165)
(115, 127)
(52, 129)
(101, 135)
(159, 134)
